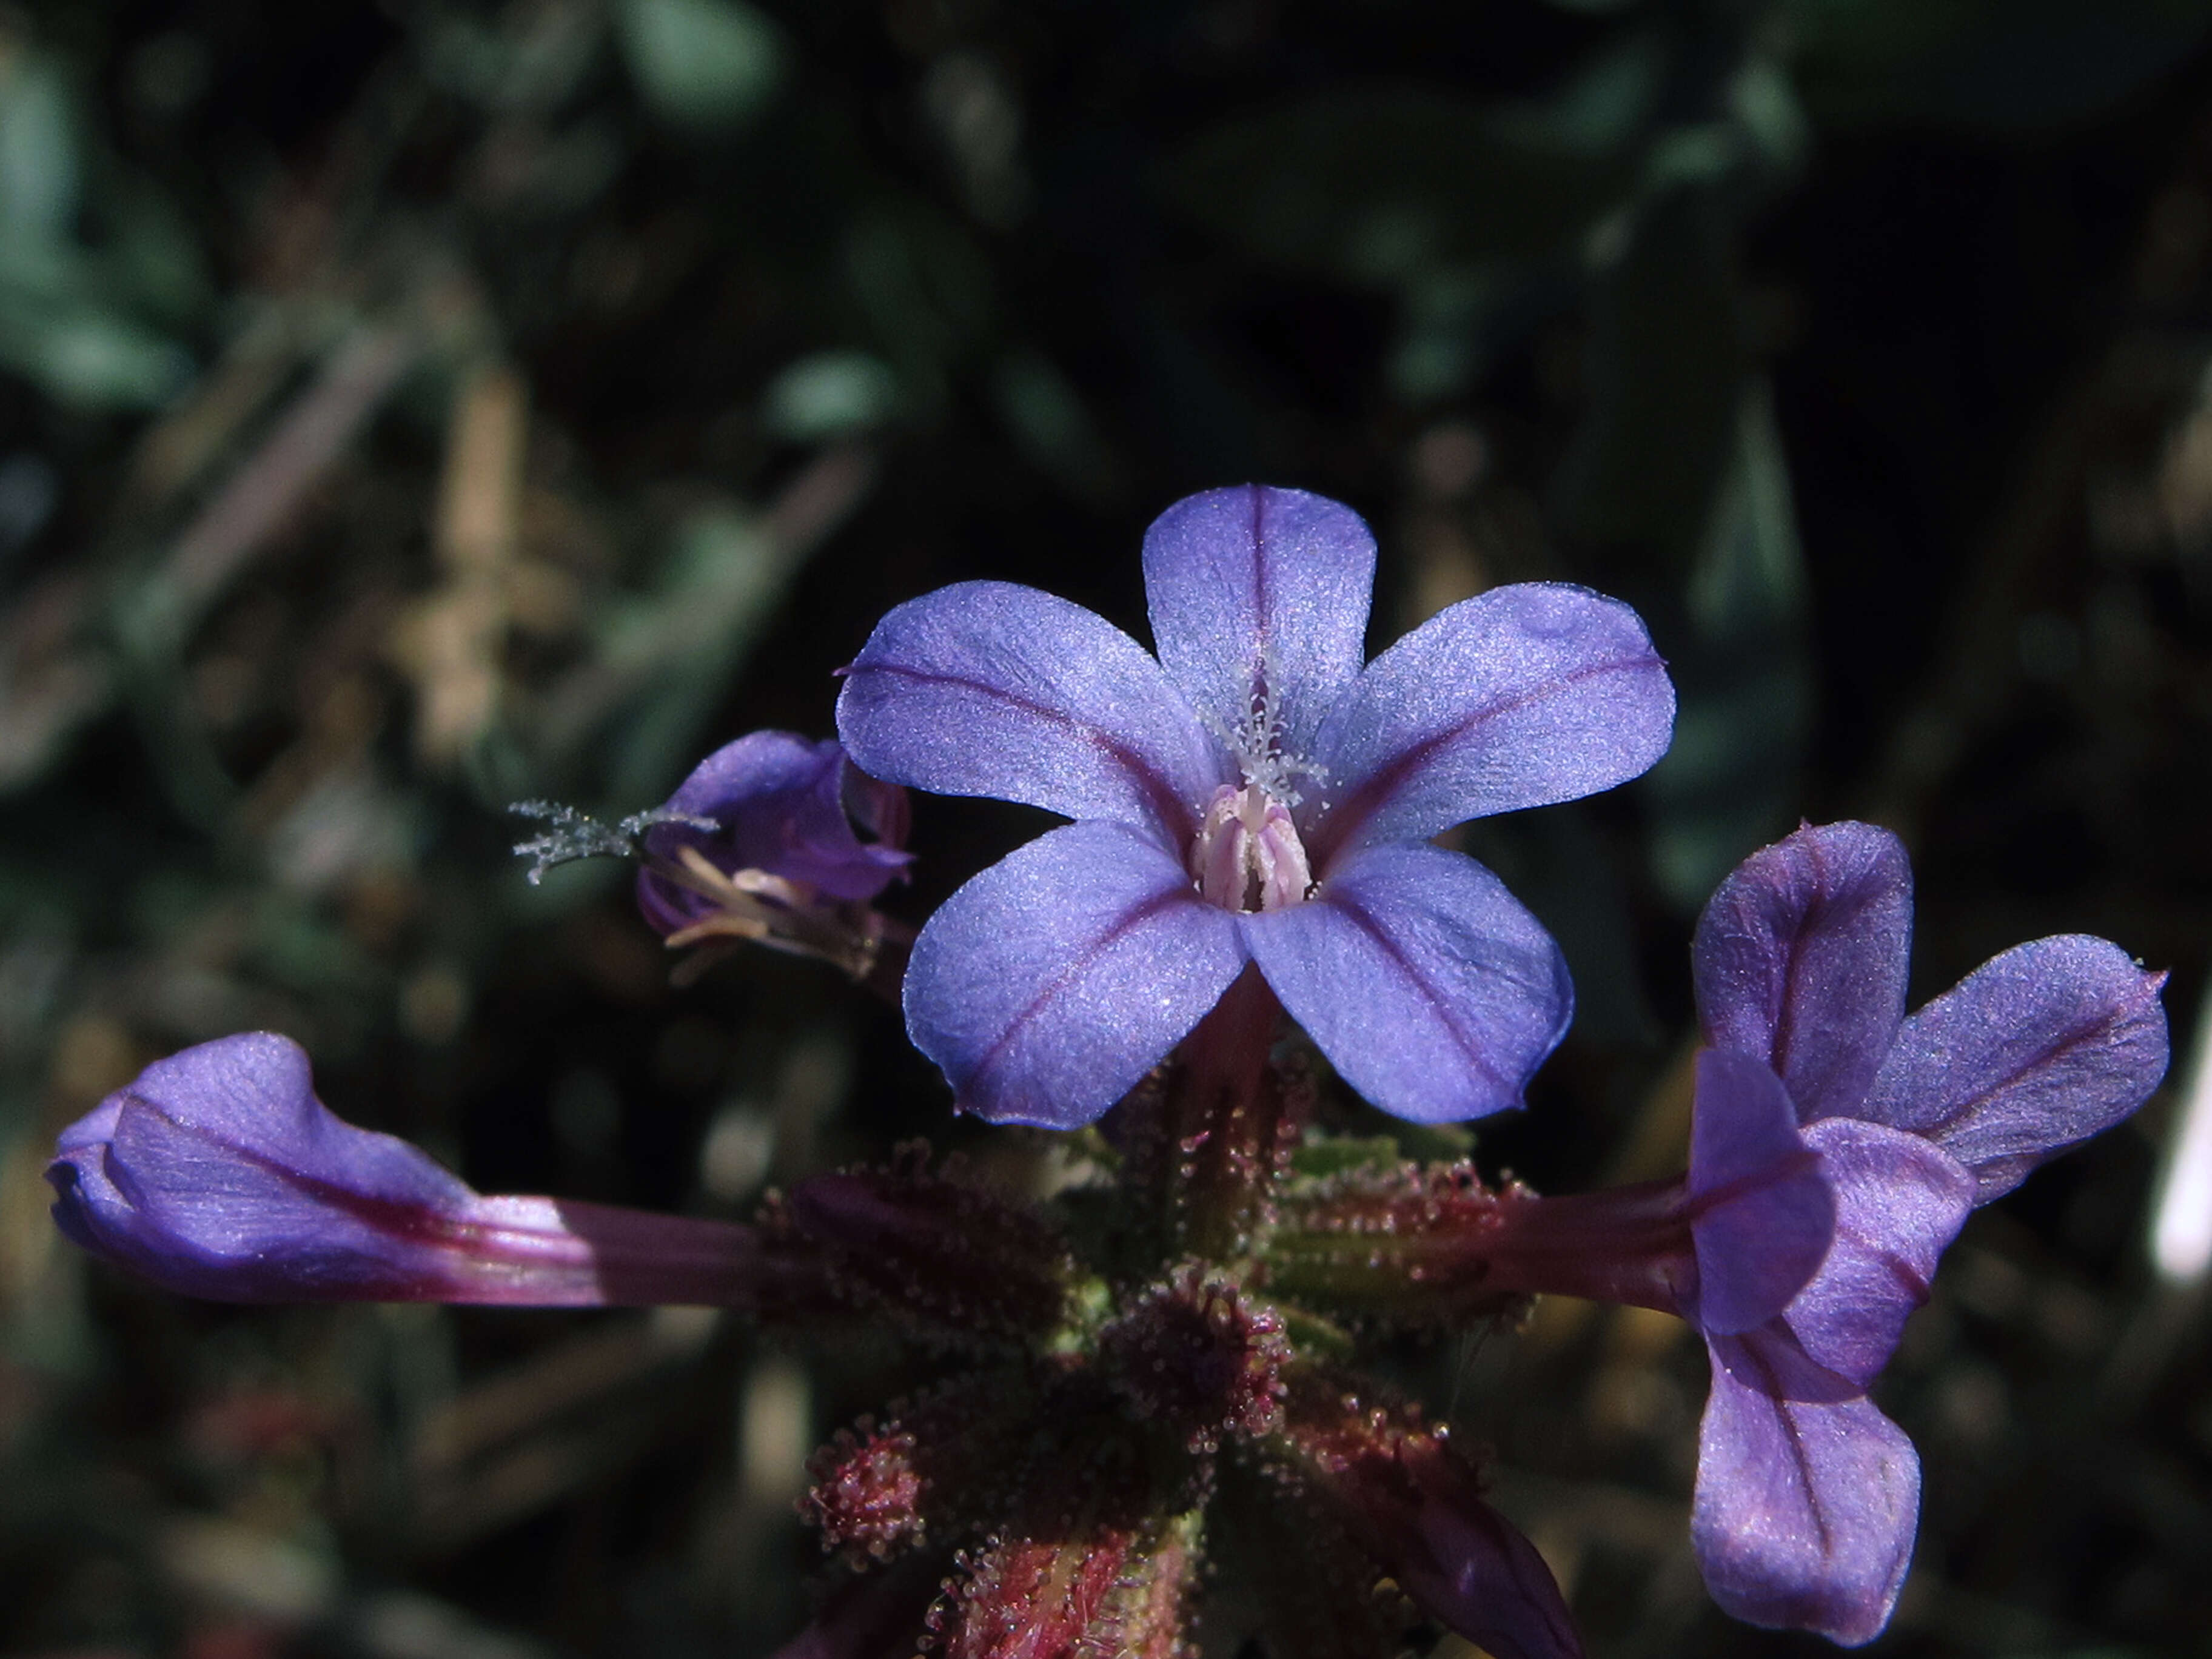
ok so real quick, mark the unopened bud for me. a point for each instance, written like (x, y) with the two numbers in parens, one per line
(949, 1461)
(1201, 1358)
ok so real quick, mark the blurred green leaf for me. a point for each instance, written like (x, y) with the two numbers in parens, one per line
(679, 645)
(1601, 105)
(1382, 187)
(1441, 326)
(1555, 860)
(38, 159)
(924, 285)
(65, 319)
(2000, 65)
(1046, 414)
(828, 395)
(1730, 779)
(701, 63)
(153, 257)
(88, 356)
(1662, 368)
(1764, 100)
(534, 59)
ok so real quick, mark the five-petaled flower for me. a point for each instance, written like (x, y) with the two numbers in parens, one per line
(1807, 1496)
(1254, 796)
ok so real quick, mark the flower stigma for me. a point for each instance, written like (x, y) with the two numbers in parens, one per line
(1257, 740)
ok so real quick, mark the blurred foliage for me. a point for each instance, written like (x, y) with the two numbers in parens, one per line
(409, 408)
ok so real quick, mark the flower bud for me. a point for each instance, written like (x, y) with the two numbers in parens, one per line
(947, 1462)
(1200, 1358)
(1416, 1505)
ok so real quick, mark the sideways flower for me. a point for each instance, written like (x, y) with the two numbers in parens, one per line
(1253, 795)
(218, 1174)
(1807, 1496)
(1726, 1246)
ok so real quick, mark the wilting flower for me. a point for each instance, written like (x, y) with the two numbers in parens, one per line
(1254, 796)
(763, 842)
(784, 807)
(217, 1173)
(1808, 1496)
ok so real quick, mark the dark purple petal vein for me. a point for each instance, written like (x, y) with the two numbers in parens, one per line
(1799, 960)
(1430, 987)
(1050, 984)
(1518, 697)
(1899, 1202)
(1807, 1497)
(218, 1174)
(2037, 1048)
(993, 688)
(1763, 1214)
(1262, 593)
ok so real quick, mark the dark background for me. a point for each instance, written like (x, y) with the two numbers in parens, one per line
(406, 409)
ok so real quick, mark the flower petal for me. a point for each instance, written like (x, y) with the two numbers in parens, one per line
(780, 802)
(1807, 1497)
(1259, 600)
(1764, 1215)
(1523, 695)
(1899, 1202)
(994, 689)
(1799, 960)
(1430, 987)
(1050, 984)
(2035, 1049)
(218, 1174)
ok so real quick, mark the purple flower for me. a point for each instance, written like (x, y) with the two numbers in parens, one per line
(1254, 796)
(218, 1174)
(1807, 1496)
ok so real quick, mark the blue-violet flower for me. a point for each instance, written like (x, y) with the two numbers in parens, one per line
(1253, 796)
